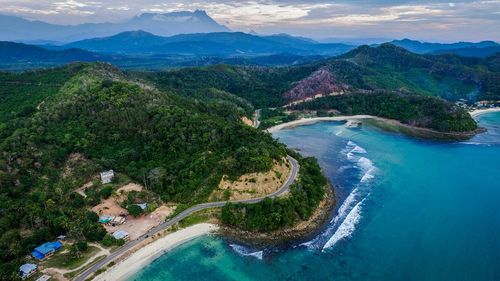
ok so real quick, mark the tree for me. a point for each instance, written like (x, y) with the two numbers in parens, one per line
(134, 210)
(106, 191)
(108, 240)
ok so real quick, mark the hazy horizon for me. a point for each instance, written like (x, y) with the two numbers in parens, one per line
(426, 20)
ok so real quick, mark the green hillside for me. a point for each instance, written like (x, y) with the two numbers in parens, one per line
(178, 147)
(383, 68)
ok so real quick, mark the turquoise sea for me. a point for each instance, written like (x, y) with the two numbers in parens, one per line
(408, 209)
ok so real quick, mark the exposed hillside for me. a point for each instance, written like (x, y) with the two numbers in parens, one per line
(263, 87)
(365, 70)
(319, 83)
(387, 68)
(178, 147)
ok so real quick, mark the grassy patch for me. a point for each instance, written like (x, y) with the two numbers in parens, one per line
(200, 217)
(65, 261)
(72, 274)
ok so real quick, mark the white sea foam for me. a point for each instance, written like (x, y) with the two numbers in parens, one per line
(368, 175)
(476, 143)
(347, 227)
(349, 212)
(365, 164)
(358, 149)
(350, 156)
(308, 243)
(244, 251)
(346, 205)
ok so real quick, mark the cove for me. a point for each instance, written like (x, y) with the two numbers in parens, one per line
(408, 209)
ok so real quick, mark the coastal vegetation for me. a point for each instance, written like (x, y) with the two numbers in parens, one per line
(273, 214)
(177, 147)
(414, 110)
(179, 132)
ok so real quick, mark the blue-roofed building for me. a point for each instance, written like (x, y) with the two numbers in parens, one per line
(46, 250)
(26, 270)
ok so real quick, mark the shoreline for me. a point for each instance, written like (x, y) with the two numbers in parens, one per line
(147, 254)
(389, 124)
(477, 112)
(281, 237)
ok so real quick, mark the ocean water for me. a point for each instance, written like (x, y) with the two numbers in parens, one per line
(408, 210)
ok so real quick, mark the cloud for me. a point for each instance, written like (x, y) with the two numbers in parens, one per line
(433, 19)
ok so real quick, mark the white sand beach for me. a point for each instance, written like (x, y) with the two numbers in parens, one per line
(152, 251)
(306, 121)
(478, 112)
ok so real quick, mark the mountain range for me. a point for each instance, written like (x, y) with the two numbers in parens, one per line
(19, 29)
(213, 44)
(469, 49)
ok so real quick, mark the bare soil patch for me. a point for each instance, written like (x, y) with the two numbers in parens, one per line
(253, 185)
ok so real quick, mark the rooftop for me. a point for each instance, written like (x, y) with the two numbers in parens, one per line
(27, 267)
(120, 234)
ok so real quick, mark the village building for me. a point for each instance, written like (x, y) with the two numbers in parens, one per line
(46, 250)
(118, 220)
(26, 270)
(107, 176)
(121, 234)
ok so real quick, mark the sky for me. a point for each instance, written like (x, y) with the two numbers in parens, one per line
(430, 20)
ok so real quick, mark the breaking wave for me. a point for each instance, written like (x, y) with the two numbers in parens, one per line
(246, 252)
(348, 215)
(346, 228)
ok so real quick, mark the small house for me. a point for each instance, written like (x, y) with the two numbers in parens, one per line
(121, 234)
(118, 220)
(46, 250)
(107, 176)
(26, 270)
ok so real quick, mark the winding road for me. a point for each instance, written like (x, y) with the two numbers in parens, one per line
(283, 189)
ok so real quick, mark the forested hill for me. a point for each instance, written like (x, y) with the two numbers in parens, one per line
(383, 68)
(452, 77)
(179, 147)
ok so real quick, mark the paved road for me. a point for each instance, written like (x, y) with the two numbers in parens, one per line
(284, 188)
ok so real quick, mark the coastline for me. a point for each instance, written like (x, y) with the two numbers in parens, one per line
(284, 236)
(388, 124)
(477, 112)
(147, 254)
(309, 121)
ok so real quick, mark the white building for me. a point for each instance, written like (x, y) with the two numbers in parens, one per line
(26, 270)
(121, 234)
(107, 176)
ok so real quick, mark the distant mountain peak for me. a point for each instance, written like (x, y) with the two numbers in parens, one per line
(164, 24)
